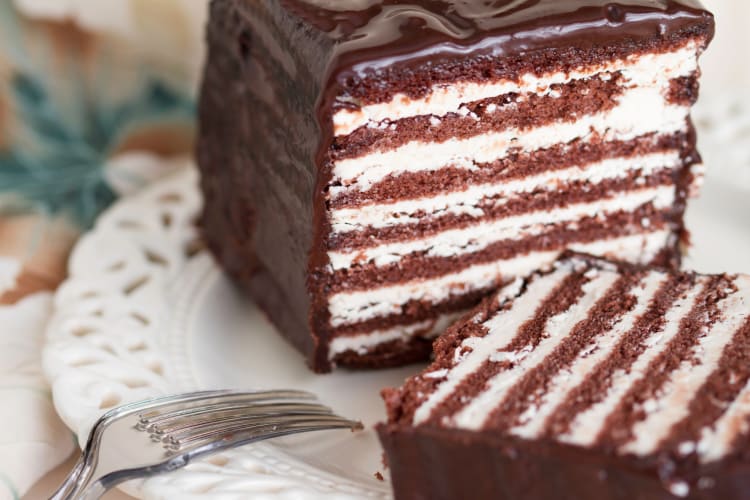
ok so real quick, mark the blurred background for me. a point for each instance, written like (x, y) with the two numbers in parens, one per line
(726, 65)
(97, 99)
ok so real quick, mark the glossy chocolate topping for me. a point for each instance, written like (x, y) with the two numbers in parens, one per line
(374, 34)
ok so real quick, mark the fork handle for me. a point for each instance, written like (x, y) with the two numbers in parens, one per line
(72, 483)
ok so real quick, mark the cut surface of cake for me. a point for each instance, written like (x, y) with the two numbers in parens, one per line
(373, 168)
(590, 380)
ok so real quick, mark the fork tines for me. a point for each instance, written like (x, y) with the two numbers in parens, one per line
(238, 416)
(168, 432)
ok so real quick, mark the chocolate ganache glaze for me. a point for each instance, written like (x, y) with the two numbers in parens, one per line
(372, 35)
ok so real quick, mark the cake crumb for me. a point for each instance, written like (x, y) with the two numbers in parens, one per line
(679, 489)
(591, 273)
(436, 374)
(686, 448)
(650, 406)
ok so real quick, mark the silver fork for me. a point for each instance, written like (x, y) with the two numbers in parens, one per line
(163, 434)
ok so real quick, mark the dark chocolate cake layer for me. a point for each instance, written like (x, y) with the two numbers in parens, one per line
(632, 381)
(372, 167)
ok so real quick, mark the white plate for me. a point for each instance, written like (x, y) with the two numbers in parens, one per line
(143, 314)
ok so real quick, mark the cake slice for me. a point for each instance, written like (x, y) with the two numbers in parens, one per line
(373, 168)
(591, 380)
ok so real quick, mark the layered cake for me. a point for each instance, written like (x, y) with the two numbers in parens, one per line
(373, 168)
(591, 380)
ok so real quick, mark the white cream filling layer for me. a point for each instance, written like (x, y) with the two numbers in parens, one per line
(468, 200)
(479, 236)
(588, 424)
(534, 420)
(364, 343)
(521, 310)
(353, 307)
(443, 99)
(716, 441)
(641, 110)
(473, 415)
(672, 404)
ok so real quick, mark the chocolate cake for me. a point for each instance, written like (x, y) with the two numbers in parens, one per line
(373, 168)
(591, 380)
